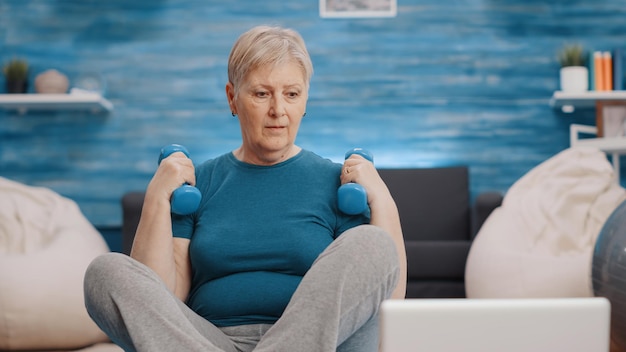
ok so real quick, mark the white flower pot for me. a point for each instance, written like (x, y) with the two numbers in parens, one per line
(574, 79)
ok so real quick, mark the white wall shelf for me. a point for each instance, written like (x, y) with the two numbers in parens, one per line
(568, 102)
(92, 102)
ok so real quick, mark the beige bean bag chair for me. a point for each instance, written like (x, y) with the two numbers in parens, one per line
(45, 246)
(539, 243)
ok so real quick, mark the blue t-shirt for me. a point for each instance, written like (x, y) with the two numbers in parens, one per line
(256, 233)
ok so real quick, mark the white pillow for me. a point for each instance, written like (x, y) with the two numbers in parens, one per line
(46, 245)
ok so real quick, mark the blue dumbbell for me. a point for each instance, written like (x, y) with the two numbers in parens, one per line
(186, 198)
(352, 198)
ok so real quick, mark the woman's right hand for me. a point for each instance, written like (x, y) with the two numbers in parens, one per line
(173, 171)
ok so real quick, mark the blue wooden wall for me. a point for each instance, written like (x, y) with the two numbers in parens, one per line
(445, 82)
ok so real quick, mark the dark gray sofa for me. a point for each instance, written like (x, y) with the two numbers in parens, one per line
(438, 223)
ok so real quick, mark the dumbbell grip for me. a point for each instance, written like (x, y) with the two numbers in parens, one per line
(186, 198)
(352, 197)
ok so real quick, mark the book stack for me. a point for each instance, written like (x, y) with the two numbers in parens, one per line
(606, 70)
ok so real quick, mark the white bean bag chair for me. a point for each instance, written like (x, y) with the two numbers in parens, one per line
(45, 246)
(539, 243)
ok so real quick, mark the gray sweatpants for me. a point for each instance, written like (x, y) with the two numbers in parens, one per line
(335, 307)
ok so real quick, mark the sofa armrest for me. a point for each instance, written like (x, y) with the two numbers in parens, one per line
(132, 203)
(485, 203)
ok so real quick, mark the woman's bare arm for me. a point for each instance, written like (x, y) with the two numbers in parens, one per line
(154, 244)
(383, 209)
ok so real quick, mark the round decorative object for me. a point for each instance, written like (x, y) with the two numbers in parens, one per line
(609, 271)
(51, 82)
(91, 82)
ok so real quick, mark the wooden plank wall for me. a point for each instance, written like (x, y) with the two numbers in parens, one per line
(446, 82)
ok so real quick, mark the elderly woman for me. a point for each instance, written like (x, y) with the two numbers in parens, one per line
(267, 262)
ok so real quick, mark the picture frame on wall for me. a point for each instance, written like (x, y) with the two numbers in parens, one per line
(357, 8)
(611, 120)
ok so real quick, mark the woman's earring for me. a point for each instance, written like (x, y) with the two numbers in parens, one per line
(304, 114)
(233, 114)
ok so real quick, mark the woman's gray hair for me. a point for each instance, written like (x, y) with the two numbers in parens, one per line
(265, 45)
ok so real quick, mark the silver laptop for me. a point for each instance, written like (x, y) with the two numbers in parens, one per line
(495, 325)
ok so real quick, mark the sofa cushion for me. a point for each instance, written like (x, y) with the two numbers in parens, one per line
(433, 202)
(435, 289)
(132, 203)
(436, 259)
(46, 245)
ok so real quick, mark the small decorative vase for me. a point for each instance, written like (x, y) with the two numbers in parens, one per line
(16, 86)
(574, 79)
(51, 82)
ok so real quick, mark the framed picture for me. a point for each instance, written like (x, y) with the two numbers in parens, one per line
(611, 119)
(357, 8)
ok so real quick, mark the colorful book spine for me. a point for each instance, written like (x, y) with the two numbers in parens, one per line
(592, 69)
(618, 73)
(598, 74)
(607, 70)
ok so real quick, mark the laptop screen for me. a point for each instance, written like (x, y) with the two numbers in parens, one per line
(502, 325)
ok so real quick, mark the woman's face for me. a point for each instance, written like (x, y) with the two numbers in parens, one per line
(270, 106)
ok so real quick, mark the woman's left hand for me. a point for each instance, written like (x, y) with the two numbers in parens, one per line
(359, 170)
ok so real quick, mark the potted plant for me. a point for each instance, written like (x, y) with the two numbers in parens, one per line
(574, 75)
(16, 76)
